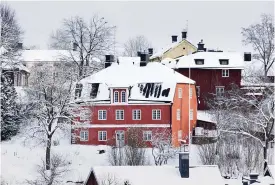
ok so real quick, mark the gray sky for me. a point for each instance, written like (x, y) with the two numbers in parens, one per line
(217, 23)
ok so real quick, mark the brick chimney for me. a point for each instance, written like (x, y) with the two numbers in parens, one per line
(150, 51)
(184, 34)
(174, 38)
(253, 177)
(184, 164)
(201, 46)
(109, 59)
(247, 56)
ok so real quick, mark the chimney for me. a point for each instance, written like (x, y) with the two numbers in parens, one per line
(144, 59)
(109, 59)
(150, 51)
(184, 34)
(19, 45)
(184, 164)
(245, 182)
(253, 177)
(247, 56)
(174, 38)
(201, 46)
(75, 46)
(138, 53)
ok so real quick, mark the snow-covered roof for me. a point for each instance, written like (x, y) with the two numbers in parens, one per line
(271, 169)
(167, 48)
(154, 82)
(205, 116)
(212, 60)
(129, 60)
(160, 175)
(13, 66)
(46, 55)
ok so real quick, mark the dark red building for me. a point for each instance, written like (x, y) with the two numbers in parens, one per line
(214, 72)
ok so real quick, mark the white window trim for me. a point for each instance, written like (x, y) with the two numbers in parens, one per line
(217, 87)
(98, 117)
(225, 71)
(180, 92)
(122, 98)
(190, 92)
(191, 114)
(99, 139)
(146, 133)
(178, 114)
(115, 97)
(85, 131)
(156, 114)
(133, 114)
(123, 114)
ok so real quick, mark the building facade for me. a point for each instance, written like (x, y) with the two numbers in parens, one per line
(128, 96)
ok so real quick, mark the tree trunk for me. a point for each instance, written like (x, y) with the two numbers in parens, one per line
(265, 154)
(48, 153)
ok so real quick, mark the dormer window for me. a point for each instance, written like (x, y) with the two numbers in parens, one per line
(224, 61)
(199, 61)
(116, 97)
(123, 96)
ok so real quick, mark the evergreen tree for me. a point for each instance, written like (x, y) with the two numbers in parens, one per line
(10, 118)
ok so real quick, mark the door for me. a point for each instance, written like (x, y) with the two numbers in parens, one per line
(120, 139)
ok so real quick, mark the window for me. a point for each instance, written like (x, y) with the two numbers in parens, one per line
(156, 114)
(119, 114)
(102, 135)
(84, 135)
(191, 114)
(115, 97)
(191, 92)
(179, 134)
(85, 114)
(123, 96)
(225, 73)
(198, 88)
(102, 115)
(224, 61)
(136, 114)
(178, 114)
(199, 61)
(78, 90)
(147, 135)
(180, 92)
(219, 91)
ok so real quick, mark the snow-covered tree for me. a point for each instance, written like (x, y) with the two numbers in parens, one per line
(261, 37)
(90, 39)
(162, 147)
(10, 117)
(136, 44)
(50, 91)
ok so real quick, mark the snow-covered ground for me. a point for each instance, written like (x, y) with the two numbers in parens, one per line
(19, 162)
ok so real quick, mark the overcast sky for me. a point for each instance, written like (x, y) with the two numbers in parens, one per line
(217, 23)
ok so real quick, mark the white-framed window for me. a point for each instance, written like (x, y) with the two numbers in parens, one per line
(119, 114)
(198, 88)
(191, 92)
(219, 91)
(156, 114)
(85, 114)
(178, 114)
(191, 112)
(180, 92)
(123, 96)
(115, 96)
(179, 134)
(225, 72)
(147, 135)
(102, 135)
(84, 135)
(136, 114)
(102, 115)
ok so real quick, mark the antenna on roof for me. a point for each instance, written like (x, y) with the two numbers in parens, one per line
(187, 25)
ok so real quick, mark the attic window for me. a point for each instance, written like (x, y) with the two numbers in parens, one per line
(94, 90)
(199, 61)
(224, 61)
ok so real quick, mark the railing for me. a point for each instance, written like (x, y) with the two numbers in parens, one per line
(201, 132)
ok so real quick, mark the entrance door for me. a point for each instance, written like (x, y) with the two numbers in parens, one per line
(120, 140)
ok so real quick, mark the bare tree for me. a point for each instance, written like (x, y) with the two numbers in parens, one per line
(50, 94)
(90, 39)
(136, 44)
(208, 154)
(52, 176)
(162, 147)
(248, 113)
(261, 37)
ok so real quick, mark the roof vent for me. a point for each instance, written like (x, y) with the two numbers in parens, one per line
(224, 61)
(184, 34)
(199, 61)
(201, 46)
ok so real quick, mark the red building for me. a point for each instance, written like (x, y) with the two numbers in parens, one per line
(214, 72)
(152, 98)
